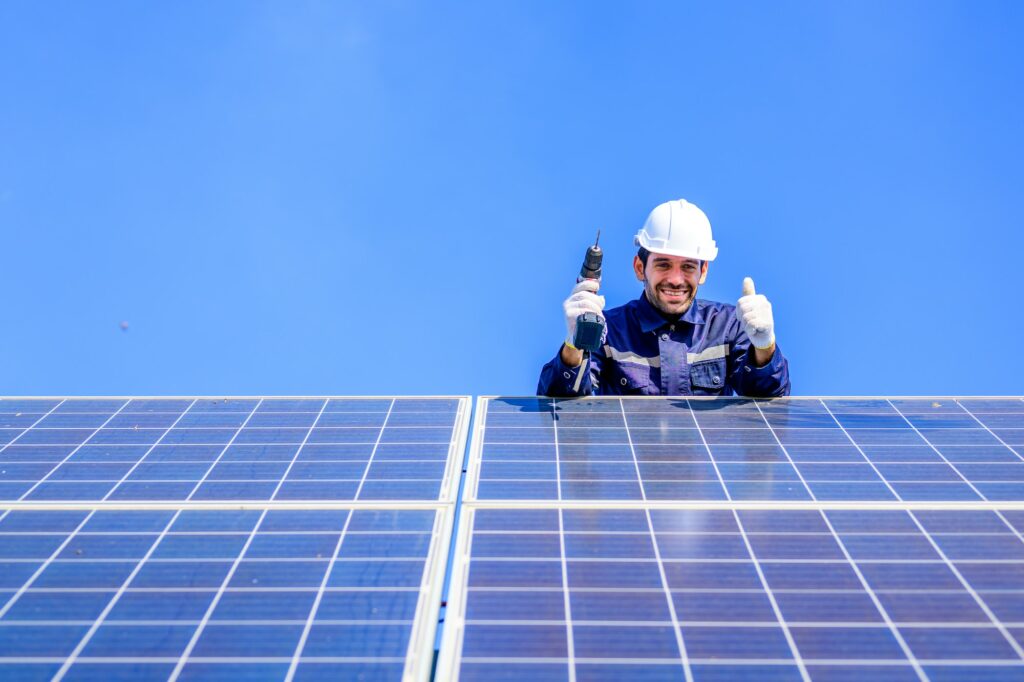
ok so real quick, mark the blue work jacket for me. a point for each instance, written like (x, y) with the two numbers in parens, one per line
(704, 352)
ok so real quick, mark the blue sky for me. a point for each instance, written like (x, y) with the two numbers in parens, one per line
(394, 197)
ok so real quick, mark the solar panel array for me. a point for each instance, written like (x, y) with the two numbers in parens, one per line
(248, 538)
(729, 539)
(598, 539)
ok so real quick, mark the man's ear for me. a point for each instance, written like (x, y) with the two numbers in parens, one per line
(638, 268)
(703, 272)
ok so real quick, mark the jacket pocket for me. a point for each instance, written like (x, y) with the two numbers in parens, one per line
(708, 377)
(631, 379)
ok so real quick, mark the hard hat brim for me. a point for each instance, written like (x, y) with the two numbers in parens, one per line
(705, 254)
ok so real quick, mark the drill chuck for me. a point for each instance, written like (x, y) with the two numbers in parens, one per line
(592, 263)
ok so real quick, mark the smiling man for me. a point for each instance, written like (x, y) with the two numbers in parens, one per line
(669, 342)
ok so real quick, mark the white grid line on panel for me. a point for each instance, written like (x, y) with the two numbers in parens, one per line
(298, 450)
(73, 656)
(862, 453)
(786, 452)
(771, 598)
(948, 463)
(70, 454)
(31, 426)
(53, 555)
(842, 662)
(308, 625)
(558, 457)
(216, 461)
(711, 457)
(876, 601)
(680, 644)
(187, 652)
(991, 432)
(146, 454)
(376, 445)
(570, 643)
(970, 588)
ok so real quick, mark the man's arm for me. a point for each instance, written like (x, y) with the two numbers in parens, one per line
(760, 370)
(559, 379)
(762, 356)
(571, 356)
(567, 374)
(750, 378)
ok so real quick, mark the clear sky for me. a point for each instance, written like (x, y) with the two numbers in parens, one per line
(395, 197)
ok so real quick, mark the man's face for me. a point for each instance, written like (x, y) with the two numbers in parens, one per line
(670, 281)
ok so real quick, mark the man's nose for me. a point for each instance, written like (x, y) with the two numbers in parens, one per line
(675, 278)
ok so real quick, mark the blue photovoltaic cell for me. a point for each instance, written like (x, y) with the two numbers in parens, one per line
(796, 449)
(212, 594)
(662, 594)
(317, 449)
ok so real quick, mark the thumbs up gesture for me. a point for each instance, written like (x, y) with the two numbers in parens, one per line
(755, 312)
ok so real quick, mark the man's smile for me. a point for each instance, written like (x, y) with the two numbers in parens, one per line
(674, 295)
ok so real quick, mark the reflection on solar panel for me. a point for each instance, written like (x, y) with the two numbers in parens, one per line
(242, 538)
(730, 539)
(189, 593)
(246, 449)
(674, 594)
(741, 450)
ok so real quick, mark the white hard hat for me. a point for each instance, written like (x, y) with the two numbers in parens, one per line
(678, 228)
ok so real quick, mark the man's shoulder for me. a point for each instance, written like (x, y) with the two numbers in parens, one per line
(716, 307)
(622, 312)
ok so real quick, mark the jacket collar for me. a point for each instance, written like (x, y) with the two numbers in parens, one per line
(650, 319)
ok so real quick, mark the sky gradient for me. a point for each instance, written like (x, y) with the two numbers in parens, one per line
(395, 197)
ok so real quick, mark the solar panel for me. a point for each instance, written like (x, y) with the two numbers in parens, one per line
(599, 538)
(590, 593)
(798, 449)
(238, 538)
(734, 539)
(240, 449)
(193, 593)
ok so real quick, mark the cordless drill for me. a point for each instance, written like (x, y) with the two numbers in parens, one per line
(590, 326)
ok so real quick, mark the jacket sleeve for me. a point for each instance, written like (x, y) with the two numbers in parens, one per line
(747, 379)
(558, 380)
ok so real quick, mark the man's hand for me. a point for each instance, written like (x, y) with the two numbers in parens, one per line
(583, 299)
(755, 312)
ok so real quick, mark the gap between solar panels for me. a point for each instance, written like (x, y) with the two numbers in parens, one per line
(283, 537)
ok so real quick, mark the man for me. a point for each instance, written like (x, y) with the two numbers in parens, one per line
(668, 342)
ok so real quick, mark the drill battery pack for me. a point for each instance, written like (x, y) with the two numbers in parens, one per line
(589, 332)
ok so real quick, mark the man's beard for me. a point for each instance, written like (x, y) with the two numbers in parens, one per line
(670, 309)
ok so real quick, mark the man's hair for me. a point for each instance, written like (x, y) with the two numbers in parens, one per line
(643, 254)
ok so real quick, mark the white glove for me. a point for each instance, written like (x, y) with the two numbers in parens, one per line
(583, 299)
(755, 312)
